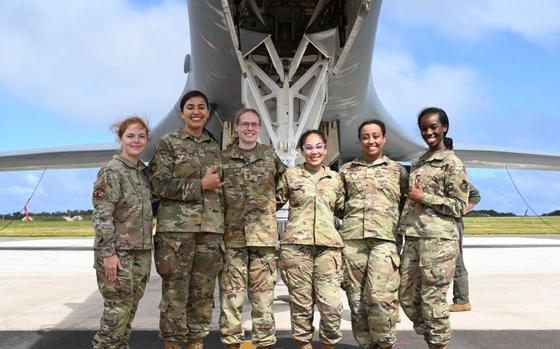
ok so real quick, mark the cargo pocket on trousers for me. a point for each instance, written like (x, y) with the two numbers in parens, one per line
(109, 290)
(289, 270)
(440, 311)
(394, 279)
(270, 279)
(165, 254)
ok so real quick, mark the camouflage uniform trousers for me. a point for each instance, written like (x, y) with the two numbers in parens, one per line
(461, 276)
(189, 264)
(426, 271)
(371, 281)
(207, 266)
(313, 275)
(173, 255)
(120, 298)
(252, 268)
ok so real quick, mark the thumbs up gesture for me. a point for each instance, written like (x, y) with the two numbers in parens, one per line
(415, 194)
(211, 179)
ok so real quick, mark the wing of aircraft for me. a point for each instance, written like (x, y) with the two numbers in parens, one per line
(63, 157)
(301, 64)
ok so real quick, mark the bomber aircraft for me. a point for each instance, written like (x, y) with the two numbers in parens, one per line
(301, 65)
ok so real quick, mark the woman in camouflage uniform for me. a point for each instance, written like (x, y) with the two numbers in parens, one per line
(251, 171)
(310, 252)
(435, 202)
(184, 174)
(375, 186)
(122, 219)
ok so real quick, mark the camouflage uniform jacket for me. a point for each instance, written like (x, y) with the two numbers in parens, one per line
(373, 194)
(441, 176)
(313, 204)
(250, 178)
(176, 170)
(122, 207)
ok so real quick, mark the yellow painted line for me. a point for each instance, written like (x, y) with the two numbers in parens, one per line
(247, 345)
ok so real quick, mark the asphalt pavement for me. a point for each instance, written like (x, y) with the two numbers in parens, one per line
(50, 298)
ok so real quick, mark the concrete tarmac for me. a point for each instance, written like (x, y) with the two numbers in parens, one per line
(50, 298)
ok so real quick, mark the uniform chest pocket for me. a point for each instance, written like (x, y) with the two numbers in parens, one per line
(327, 192)
(389, 184)
(131, 192)
(233, 179)
(262, 174)
(184, 166)
(432, 177)
(123, 210)
(300, 192)
(233, 175)
(355, 184)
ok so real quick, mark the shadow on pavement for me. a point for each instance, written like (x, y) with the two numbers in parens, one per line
(407, 339)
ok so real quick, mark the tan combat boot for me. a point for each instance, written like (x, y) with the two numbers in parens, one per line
(171, 345)
(460, 307)
(305, 345)
(195, 343)
(436, 346)
(327, 346)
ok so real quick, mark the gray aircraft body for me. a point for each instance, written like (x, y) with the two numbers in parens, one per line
(302, 65)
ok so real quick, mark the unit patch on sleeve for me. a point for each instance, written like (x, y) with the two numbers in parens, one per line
(465, 186)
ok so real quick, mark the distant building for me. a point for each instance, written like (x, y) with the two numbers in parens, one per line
(73, 219)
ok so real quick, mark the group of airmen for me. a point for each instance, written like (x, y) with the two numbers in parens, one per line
(397, 243)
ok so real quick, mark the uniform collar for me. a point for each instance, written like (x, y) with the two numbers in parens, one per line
(185, 135)
(305, 173)
(360, 161)
(249, 155)
(438, 155)
(138, 166)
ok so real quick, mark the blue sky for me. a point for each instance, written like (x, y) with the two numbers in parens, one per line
(68, 71)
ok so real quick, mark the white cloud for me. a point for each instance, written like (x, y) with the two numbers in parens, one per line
(405, 88)
(31, 178)
(22, 184)
(18, 190)
(94, 61)
(407, 81)
(477, 115)
(498, 191)
(537, 20)
(59, 190)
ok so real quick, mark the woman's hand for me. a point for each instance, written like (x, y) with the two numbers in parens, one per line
(469, 208)
(211, 179)
(415, 194)
(112, 265)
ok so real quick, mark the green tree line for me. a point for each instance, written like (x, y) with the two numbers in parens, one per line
(49, 216)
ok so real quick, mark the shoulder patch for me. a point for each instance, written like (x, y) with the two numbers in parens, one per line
(99, 193)
(100, 186)
(465, 186)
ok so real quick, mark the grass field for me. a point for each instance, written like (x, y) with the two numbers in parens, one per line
(473, 226)
(512, 225)
(47, 229)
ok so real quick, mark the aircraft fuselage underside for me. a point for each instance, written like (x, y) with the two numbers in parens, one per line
(287, 51)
